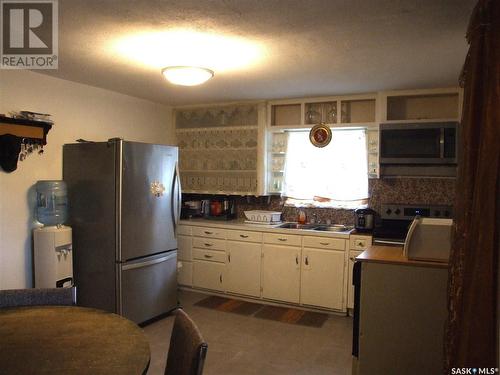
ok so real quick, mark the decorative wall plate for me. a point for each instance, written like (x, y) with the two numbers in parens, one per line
(320, 135)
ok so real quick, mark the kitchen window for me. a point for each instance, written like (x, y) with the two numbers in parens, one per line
(332, 176)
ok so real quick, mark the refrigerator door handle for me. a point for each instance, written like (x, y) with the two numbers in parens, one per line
(148, 262)
(176, 198)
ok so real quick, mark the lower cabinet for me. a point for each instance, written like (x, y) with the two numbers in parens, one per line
(350, 287)
(322, 278)
(185, 257)
(208, 275)
(243, 265)
(281, 273)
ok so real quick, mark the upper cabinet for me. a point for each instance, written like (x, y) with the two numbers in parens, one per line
(421, 105)
(338, 111)
(219, 148)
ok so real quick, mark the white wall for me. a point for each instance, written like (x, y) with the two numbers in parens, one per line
(79, 111)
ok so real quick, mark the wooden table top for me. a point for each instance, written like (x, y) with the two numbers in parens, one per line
(70, 340)
(394, 255)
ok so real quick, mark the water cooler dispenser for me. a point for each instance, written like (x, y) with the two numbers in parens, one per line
(53, 255)
(53, 251)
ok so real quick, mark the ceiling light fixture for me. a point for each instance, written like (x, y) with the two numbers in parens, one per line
(187, 75)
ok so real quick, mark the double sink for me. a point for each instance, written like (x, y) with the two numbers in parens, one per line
(318, 227)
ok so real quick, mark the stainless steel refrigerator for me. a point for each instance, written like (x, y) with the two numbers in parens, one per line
(124, 206)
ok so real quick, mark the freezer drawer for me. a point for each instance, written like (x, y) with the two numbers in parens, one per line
(149, 286)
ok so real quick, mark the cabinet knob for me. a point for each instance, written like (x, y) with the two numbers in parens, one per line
(229, 258)
(296, 259)
(306, 260)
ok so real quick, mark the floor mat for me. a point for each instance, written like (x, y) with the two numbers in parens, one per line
(293, 316)
(229, 305)
(280, 314)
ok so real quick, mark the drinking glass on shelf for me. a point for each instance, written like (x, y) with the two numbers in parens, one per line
(331, 116)
(312, 115)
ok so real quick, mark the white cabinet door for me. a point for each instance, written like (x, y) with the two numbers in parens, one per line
(184, 244)
(350, 288)
(281, 273)
(243, 268)
(322, 281)
(185, 273)
(208, 275)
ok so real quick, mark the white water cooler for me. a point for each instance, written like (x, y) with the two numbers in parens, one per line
(53, 257)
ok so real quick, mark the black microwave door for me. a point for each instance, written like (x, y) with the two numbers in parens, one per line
(410, 145)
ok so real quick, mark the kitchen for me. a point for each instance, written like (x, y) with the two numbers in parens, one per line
(102, 94)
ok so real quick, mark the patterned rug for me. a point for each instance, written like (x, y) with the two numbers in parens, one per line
(280, 314)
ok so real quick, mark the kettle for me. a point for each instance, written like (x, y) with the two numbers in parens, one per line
(364, 219)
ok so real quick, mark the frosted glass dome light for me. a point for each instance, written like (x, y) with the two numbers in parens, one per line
(187, 75)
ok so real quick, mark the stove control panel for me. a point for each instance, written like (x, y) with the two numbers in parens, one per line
(408, 212)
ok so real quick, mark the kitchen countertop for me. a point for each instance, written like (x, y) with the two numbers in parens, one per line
(394, 255)
(241, 225)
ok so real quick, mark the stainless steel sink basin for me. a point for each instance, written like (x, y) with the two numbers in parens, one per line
(297, 226)
(319, 227)
(332, 228)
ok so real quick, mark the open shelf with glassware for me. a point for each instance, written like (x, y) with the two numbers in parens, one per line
(219, 148)
(276, 158)
(338, 111)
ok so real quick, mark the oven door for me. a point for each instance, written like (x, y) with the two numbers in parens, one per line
(427, 143)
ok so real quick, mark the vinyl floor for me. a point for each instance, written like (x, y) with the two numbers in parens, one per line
(243, 344)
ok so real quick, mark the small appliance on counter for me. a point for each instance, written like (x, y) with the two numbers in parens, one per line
(195, 208)
(222, 209)
(364, 219)
(397, 218)
(429, 239)
(263, 217)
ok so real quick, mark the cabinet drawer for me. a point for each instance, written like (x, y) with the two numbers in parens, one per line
(360, 242)
(282, 239)
(324, 243)
(213, 256)
(242, 235)
(208, 275)
(209, 243)
(184, 229)
(209, 232)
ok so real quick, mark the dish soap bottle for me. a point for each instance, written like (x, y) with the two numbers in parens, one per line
(301, 217)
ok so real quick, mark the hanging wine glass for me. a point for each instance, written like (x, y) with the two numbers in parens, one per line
(312, 115)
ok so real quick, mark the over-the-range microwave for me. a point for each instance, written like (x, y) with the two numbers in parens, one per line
(411, 147)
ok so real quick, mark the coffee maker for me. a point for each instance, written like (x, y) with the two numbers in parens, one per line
(222, 209)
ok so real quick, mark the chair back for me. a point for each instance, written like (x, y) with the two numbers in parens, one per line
(188, 350)
(38, 297)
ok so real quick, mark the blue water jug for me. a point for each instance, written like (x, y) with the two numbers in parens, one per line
(52, 202)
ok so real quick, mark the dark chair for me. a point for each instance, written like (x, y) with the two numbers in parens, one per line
(187, 351)
(37, 297)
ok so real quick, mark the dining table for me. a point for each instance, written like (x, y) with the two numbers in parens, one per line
(70, 340)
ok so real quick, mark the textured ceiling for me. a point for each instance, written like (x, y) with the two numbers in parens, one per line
(310, 48)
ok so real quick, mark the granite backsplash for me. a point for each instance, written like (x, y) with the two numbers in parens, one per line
(435, 191)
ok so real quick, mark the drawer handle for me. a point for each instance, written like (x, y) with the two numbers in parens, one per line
(220, 278)
(296, 259)
(282, 239)
(325, 243)
(208, 244)
(207, 232)
(306, 260)
(229, 258)
(208, 256)
(243, 236)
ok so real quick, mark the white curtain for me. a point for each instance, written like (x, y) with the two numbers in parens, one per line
(337, 172)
